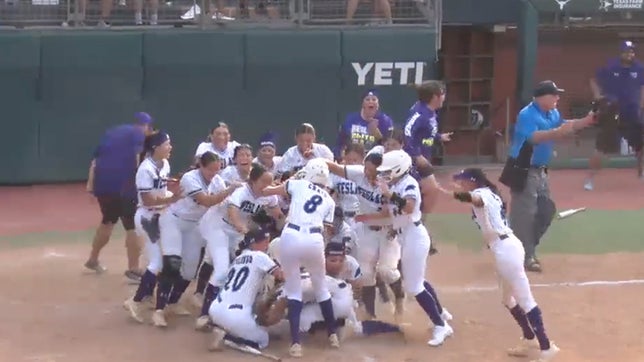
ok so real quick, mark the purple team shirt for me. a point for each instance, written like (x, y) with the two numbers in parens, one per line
(354, 130)
(421, 133)
(624, 84)
(116, 161)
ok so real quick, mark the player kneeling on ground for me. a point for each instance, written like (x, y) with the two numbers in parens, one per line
(339, 280)
(489, 214)
(232, 312)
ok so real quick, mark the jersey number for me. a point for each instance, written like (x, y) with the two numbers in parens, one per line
(312, 204)
(236, 278)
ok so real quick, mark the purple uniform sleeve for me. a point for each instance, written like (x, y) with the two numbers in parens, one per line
(385, 125)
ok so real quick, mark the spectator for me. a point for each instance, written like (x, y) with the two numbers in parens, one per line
(111, 181)
(379, 7)
(367, 127)
(106, 11)
(138, 12)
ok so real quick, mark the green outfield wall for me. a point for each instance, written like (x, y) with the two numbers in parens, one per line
(59, 91)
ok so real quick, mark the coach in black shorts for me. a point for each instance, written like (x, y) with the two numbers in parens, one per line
(111, 181)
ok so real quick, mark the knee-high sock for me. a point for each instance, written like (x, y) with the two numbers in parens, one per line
(369, 300)
(146, 287)
(382, 290)
(164, 288)
(208, 298)
(397, 288)
(178, 289)
(428, 304)
(329, 317)
(375, 327)
(202, 278)
(522, 320)
(294, 314)
(430, 289)
(534, 316)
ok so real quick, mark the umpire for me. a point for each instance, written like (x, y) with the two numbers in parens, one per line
(539, 124)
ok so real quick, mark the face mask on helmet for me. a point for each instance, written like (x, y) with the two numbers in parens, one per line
(384, 176)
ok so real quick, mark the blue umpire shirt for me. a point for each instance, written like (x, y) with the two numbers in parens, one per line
(531, 119)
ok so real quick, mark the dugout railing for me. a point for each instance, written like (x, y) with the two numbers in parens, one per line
(271, 13)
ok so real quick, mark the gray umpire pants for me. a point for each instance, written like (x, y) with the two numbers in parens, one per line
(524, 209)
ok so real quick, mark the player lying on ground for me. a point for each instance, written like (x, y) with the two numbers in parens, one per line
(489, 214)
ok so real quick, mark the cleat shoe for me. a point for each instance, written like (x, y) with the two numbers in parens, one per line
(95, 266)
(295, 350)
(548, 354)
(134, 308)
(440, 334)
(216, 344)
(158, 319)
(334, 341)
(202, 323)
(523, 348)
(446, 315)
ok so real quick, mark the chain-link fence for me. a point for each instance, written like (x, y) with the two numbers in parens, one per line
(106, 13)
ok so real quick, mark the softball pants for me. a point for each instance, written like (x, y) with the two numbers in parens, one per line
(508, 260)
(377, 253)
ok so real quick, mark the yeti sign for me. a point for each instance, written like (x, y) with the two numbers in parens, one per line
(389, 73)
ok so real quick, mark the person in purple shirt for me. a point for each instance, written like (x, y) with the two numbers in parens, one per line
(421, 135)
(367, 127)
(621, 80)
(111, 181)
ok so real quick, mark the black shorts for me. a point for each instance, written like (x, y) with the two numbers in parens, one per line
(631, 130)
(115, 207)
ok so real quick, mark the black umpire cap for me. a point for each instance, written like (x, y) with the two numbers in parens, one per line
(547, 87)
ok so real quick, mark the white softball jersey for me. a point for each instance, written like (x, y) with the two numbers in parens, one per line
(293, 159)
(231, 174)
(347, 236)
(491, 217)
(248, 203)
(225, 155)
(152, 178)
(351, 269)
(192, 183)
(310, 205)
(276, 162)
(370, 199)
(407, 187)
(347, 193)
(246, 278)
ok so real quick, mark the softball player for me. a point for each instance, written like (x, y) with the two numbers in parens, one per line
(219, 188)
(342, 233)
(346, 190)
(239, 170)
(232, 312)
(224, 227)
(219, 144)
(403, 193)
(489, 213)
(302, 245)
(395, 141)
(153, 198)
(305, 149)
(266, 153)
(378, 252)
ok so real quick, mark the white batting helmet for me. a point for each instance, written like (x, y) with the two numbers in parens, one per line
(273, 247)
(395, 164)
(317, 171)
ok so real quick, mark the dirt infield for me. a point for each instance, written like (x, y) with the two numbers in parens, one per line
(54, 312)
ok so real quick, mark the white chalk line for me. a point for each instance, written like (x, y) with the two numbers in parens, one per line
(491, 288)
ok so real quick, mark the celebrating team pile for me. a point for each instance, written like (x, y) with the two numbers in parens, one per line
(301, 243)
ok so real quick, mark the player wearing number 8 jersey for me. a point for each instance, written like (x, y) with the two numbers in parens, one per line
(232, 311)
(508, 252)
(302, 245)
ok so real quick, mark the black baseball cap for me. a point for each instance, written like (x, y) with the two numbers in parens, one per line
(254, 235)
(335, 248)
(547, 87)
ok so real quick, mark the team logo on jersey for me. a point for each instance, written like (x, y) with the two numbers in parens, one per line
(249, 207)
